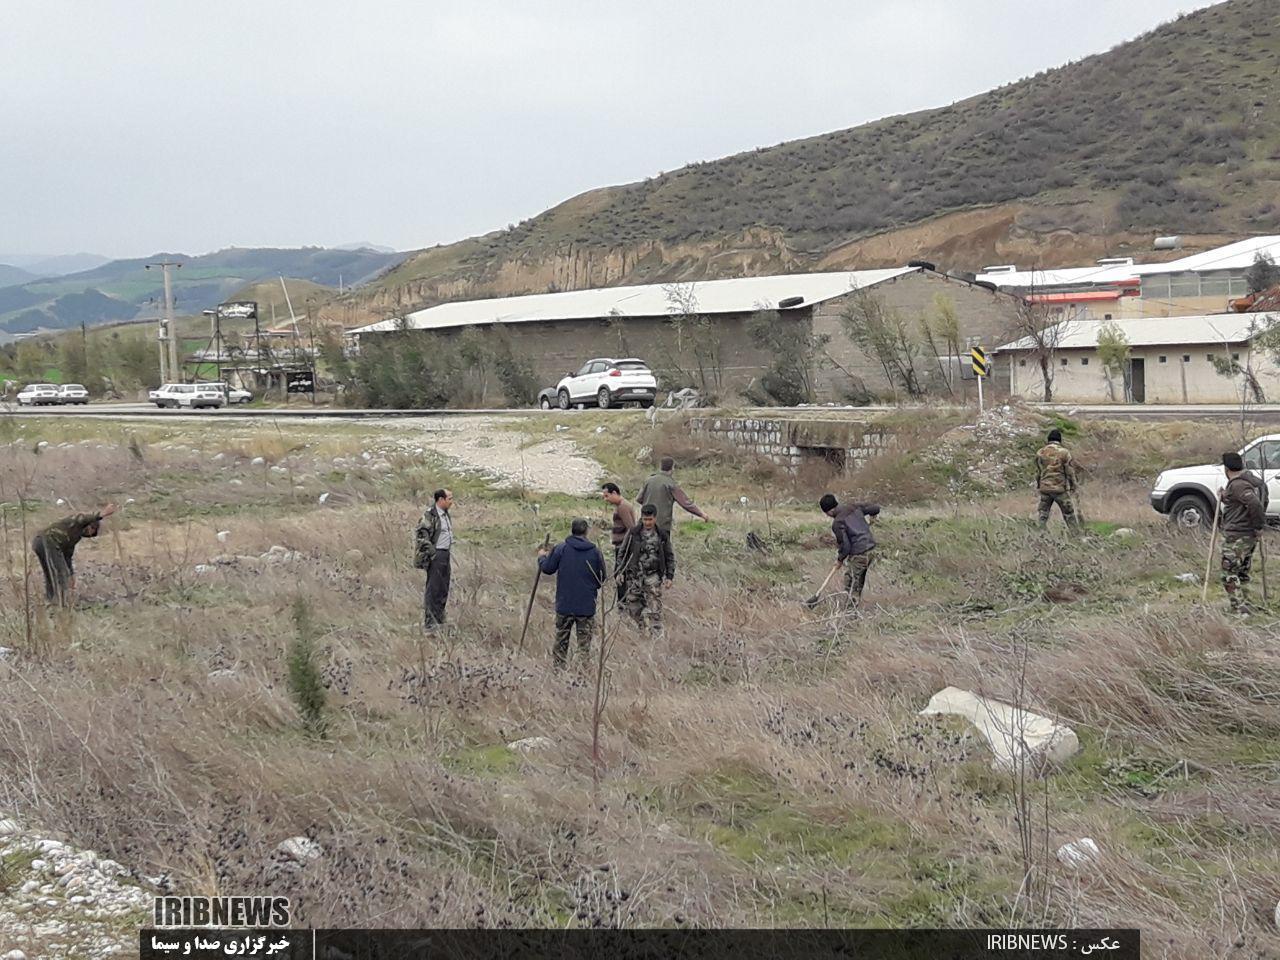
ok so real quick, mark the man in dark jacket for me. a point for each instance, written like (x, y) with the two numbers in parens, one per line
(855, 545)
(432, 549)
(647, 564)
(578, 567)
(662, 492)
(55, 546)
(1243, 516)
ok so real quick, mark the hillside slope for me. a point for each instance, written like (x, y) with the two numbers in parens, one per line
(1176, 131)
(123, 288)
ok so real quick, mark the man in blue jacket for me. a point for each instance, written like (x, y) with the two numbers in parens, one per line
(854, 543)
(579, 570)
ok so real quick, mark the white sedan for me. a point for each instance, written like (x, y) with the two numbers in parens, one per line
(73, 393)
(194, 396)
(38, 395)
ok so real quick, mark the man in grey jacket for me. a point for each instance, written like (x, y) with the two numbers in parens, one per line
(664, 493)
(433, 544)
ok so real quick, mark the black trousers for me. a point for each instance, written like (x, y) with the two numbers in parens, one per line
(436, 593)
(584, 627)
(617, 569)
(57, 572)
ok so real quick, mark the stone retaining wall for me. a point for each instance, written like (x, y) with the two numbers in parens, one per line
(845, 444)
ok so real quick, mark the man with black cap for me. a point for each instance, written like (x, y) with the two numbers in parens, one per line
(1056, 481)
(1242, 515)
(55, 546)
(579, 571)
(855, 546)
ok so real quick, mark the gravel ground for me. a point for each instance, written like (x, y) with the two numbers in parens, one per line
(480, 444)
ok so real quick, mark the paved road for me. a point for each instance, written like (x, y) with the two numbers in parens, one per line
(1262, 413)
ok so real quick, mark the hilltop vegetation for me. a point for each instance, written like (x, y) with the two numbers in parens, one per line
(1178, 130)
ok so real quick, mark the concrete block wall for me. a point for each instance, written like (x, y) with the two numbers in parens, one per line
(792, 443)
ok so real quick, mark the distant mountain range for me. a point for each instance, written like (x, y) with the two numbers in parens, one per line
(123, 289)
(51, 265)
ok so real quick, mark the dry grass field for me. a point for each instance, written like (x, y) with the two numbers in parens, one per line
(762, 765)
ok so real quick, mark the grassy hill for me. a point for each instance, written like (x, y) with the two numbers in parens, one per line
(122, 289)
(9, 275)
(1176, 131)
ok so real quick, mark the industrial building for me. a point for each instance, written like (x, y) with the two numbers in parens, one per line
(673, 325)
(1204, 359)
(1117, 288)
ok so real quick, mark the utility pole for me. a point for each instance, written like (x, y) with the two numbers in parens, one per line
(161, 334)
(175, 370)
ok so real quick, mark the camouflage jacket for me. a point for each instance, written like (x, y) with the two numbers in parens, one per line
(1055, 470)
(650, 555)
(425, 538)
(64, 534)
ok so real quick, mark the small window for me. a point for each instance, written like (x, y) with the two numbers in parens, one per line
(1235, 356)
(1209, 357)
(1106, 316)
(1022, 363)
(1164, 359)
(1064, 361)
(1186, 358)
(1084, 361)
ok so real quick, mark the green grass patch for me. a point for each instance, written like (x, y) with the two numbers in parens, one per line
(495, 760)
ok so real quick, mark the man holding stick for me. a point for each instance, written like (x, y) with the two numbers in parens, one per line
(1243, 514)
(578, 567)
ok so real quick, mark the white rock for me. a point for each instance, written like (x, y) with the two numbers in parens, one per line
(38, 864)
(8, 827)
(14, 955)
(31, 886)
(49, 846)
(203, 568)
(224, 536)
(531, 744)
(225, 673)
(1277, 914)
(1078, 853)
(1188, 578)
(1013, 734)
(279, 470)
(257, 461)
(60, 502)
(1124, 533)
(324, 497)
(300, 849)
(366, 456)
(5, 654)
(129, 501)
(601, 428)
(219, 457)
(560, 428)
(236, 482)
(42, 444)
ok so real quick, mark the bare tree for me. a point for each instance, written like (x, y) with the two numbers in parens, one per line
(697, 337)
(1041, 334)
(884, 334)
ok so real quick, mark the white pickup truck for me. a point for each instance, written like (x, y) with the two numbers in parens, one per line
(1189, 495)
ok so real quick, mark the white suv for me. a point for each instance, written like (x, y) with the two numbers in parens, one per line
(38, 395)
(72, 393)
(1189, 495)
(194, 396)
(608, 382)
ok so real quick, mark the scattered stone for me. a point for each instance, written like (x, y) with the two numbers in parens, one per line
(1079, 853)
(324, 497)
(219, 457)
(38, 864)
(1124, 533)
(560, 428)
(257, 461)
(203, 568)
(1013, 734)
(601, 429)
(42, 444)
(236, 482)
(1188, 578)
(279, 470)
(14, 955)
(279, 554)
(366, 456)
(224, 673)
(60, 502)
(644, 454)
(224, 536)
(5, 654)
(300, 849)
(129, 501)
(531, 745)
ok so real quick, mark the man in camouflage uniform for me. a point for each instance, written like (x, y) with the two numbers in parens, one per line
(1243, 514)
(1056, 481)
(648, 565)
(54, 547)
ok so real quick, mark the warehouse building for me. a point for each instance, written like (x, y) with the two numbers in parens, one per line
(678, 327)
(1204, 359)
(1116, 288)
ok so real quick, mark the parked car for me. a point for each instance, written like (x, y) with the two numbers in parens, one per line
(38, 395)
(547, 398)
(1189, 495)
(233, 394)
(607, 383)
(194, 396)
(73, 393)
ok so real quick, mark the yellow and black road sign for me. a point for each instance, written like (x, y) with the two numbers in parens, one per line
(981, 365)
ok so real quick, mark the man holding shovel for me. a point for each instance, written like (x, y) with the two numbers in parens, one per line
(579, 570)
(1243, 514)
(55, 546)
(855, 546)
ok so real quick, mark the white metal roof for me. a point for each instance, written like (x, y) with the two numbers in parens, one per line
(650, 300)
(1218, 328)
(1234, 256)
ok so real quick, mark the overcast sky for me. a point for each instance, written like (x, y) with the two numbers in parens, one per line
(132, 126)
